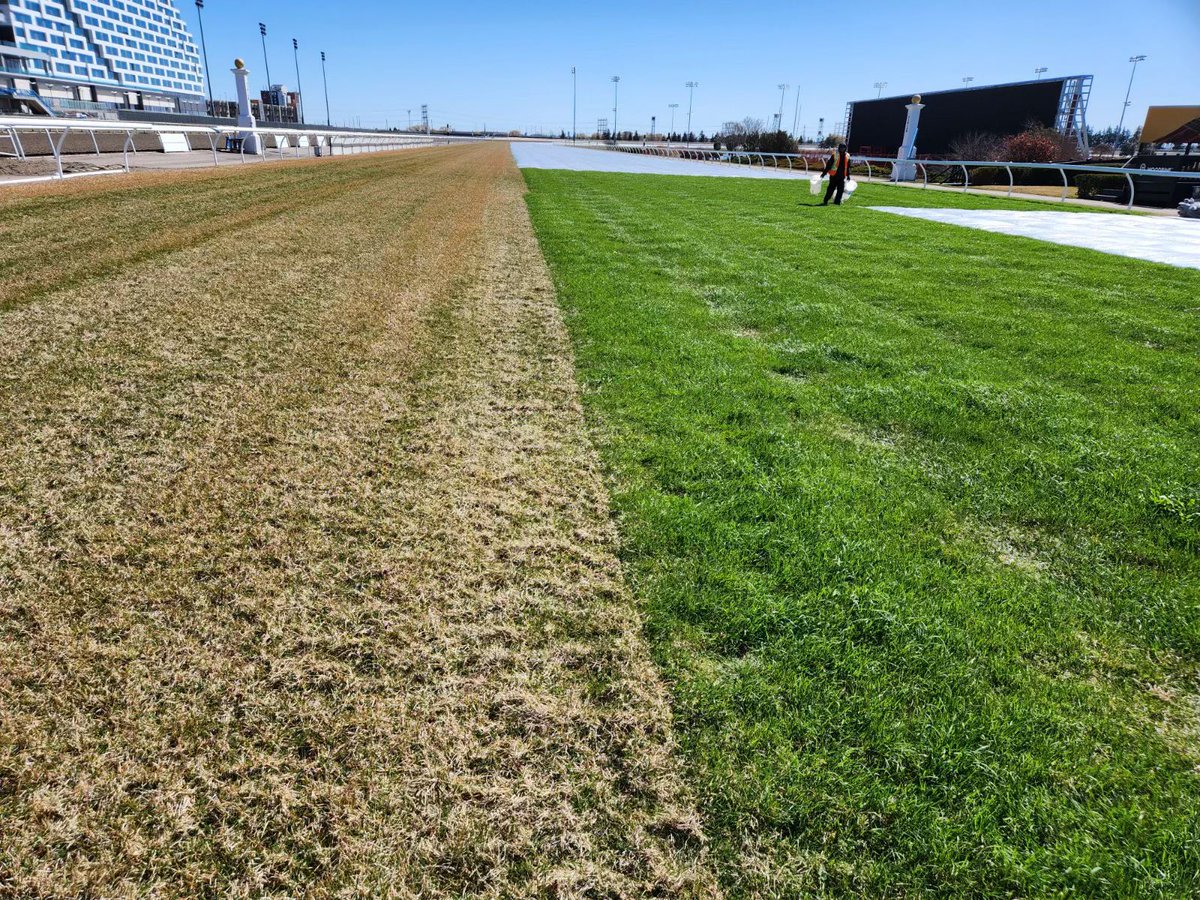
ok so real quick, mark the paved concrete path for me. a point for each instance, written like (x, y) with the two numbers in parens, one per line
(1172, 241)
(580, 159)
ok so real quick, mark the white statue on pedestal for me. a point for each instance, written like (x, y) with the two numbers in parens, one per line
(251, 143)
(905, 170)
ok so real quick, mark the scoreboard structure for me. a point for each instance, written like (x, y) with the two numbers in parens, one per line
(876, 127)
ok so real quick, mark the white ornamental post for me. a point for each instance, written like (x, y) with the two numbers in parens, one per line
(905, 170)
(250, 139)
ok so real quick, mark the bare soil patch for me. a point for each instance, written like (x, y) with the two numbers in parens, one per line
(32, 168)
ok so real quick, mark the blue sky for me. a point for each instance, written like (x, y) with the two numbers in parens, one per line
(508, 65)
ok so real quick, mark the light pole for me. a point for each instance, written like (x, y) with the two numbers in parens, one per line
(262, 30)
(616, 80)
(1040, 71)
(796, 117)
(691, 86)
(1135, 60)
(674, 106)
(880, 85)
(299, 89)
(204, 46)
(967, 81)
(783, 89)
(574, 104)
(653, 126)
(325, 80)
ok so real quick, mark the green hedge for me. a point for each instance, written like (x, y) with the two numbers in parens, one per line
(1090, 185)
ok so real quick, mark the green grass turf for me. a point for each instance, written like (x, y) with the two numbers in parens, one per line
(913, 512)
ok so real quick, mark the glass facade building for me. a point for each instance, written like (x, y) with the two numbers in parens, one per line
(63, 56)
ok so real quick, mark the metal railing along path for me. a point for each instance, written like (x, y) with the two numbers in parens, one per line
(56, 131)
(793, 160)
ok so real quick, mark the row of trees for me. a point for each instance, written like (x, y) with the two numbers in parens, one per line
(751, 135)
(1114, 141)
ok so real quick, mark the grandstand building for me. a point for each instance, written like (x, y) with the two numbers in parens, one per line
(65, 57)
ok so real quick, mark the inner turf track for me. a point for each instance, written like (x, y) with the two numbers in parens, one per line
(913, 514)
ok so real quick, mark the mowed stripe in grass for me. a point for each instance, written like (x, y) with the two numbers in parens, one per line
(913, 512)
(307, 583)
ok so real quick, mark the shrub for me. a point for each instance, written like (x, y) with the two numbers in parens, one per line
(1091, 185)
(987, 175)
(1032, 146)
(977, 146)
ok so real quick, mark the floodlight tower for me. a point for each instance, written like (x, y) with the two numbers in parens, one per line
(204, 46)
(262, 31)
(967, 81)
(796, 117)
(880, 85)
(691, 86)
(1040, 71)
(1135, 60)
(325, 80)
(783, 89)
(299, 90)
(574, 104)
(674, 106)
(616, 80)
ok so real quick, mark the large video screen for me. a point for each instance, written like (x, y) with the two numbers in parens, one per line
(878, 125)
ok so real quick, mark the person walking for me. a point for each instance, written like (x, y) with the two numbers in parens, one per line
(837, 167)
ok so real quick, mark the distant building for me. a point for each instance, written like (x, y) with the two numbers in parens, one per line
(277, 105)
(70, 56)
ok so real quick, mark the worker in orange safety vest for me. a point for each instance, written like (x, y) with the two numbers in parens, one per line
(837, 167)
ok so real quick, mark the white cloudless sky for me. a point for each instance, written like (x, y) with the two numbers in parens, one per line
(508, 65)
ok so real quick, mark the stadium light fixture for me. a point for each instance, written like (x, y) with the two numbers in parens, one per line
(691, 86)
(204, 47)
(1040, 71)
(783, 89)
(616, 80)
(967, 81)
(325, 81)
(880, 85)
(1124, 109)
(673, 106)
(299, 89)
(262, 31)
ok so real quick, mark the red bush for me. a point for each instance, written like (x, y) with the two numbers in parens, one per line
(1033, 147)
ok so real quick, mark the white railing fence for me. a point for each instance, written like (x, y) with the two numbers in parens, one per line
(17, 131)
(809, 161)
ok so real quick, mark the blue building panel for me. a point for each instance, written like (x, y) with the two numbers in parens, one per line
(130, 45)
